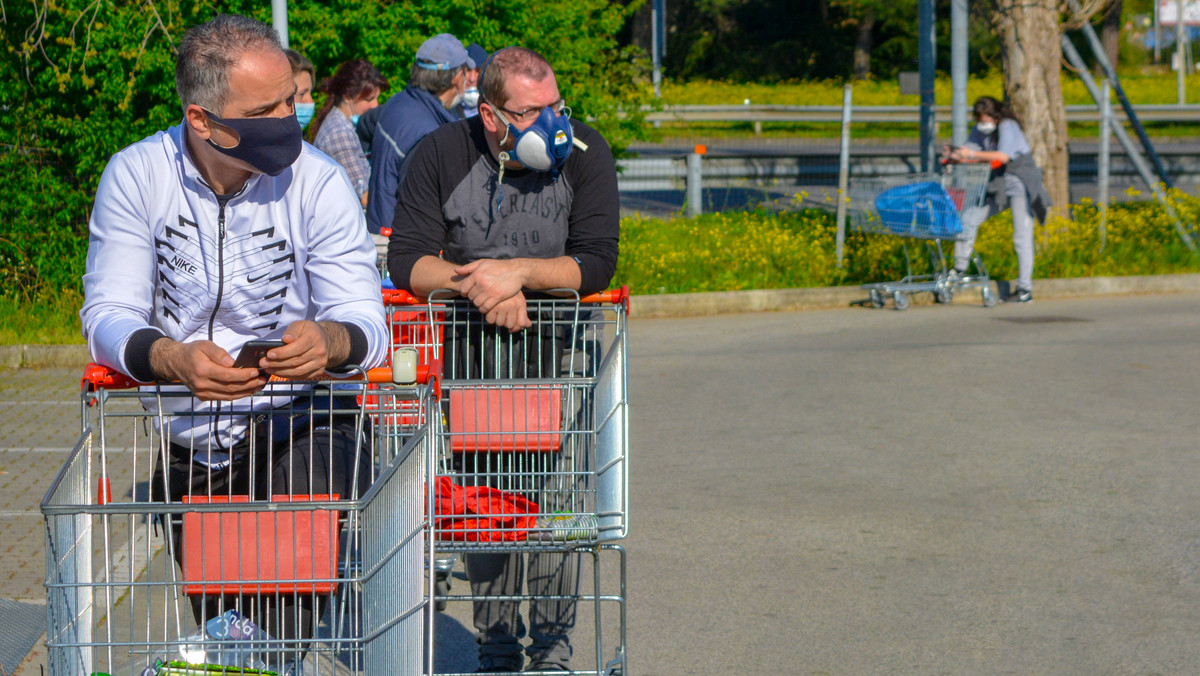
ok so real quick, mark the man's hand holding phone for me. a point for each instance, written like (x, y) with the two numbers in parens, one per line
(206, 369)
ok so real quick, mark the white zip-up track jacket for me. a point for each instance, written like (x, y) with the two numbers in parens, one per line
(163, 253)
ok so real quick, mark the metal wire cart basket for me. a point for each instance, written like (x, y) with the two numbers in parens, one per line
(927, 206)
(531, 456)
(282, 580)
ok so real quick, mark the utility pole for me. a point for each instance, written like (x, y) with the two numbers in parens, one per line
(1181, 63)
(926, 64)
(279, 20)
(959, 40)
(658, 48)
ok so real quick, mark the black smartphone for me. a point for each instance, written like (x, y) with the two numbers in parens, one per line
(253, 351)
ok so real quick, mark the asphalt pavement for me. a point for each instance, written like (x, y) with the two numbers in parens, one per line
(945, 490)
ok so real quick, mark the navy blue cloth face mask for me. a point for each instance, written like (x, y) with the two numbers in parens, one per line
(269, 144)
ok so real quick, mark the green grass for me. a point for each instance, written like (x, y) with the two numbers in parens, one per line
(1149, 86)
(762, 250)
(48, 318)
(792, 249)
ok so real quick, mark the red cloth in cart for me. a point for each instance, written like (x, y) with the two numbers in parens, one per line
(482, 513)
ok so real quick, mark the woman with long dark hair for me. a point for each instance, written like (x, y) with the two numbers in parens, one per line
(351, 91)
(997, 137)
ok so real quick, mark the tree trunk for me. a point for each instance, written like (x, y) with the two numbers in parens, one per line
(862, 45)
(1032, 56)
(1110, 32)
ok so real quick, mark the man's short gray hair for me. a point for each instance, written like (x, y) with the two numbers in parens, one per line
(209, 51)
(433, 81)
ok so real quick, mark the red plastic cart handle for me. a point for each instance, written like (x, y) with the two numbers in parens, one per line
(615, 296)
(400, 297)
(97, 377)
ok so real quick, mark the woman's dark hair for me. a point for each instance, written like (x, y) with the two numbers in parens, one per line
(997, 110)
(352, 80)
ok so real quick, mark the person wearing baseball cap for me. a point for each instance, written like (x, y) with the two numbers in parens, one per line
(436, 84)
(470, 101)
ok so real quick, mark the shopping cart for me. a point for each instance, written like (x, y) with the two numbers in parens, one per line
(319, 583)
(929, 207)
(533, 454)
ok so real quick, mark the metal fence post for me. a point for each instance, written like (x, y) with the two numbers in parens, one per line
(843, 174)
(1181, 59)
(1104, 158)
(694, 178)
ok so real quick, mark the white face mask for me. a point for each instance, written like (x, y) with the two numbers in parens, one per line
(470, 98)
(986, 127)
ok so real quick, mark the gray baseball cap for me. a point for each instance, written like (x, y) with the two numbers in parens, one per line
(443, 52)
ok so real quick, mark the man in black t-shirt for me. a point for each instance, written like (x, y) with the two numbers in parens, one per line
(517, 199)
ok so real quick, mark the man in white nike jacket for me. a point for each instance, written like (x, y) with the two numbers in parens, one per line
(224, 229)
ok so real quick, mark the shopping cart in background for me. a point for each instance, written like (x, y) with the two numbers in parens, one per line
(930, 207)
(288, 584)
(533, 454)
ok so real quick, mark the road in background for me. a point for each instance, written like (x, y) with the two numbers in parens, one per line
(748, 172)
(949, 489)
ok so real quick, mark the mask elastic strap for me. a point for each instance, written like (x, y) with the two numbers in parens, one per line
(504, 158)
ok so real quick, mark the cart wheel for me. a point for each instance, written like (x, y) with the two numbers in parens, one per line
(876, 299)
(989, 297)
(900, 300)
(944, 296)
(441, 587)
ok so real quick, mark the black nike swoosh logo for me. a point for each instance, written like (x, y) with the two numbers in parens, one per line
(255, 279)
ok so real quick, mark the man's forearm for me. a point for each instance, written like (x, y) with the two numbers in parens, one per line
(164, 353)
(337, 343)
(551, 273)
(431, 273)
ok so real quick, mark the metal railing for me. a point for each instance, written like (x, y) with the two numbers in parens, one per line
(1159, 112)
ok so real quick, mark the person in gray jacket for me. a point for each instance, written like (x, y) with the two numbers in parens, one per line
(997, 137)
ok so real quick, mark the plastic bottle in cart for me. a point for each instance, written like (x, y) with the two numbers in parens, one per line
(230, 640)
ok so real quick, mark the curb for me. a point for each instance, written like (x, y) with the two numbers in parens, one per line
(832, 297)
(44, 356)
(727, 302)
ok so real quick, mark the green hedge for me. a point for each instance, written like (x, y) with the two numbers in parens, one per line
(81, 79)
(762, 250)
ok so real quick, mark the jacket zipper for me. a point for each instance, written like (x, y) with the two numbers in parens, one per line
(212, 318)
(220, 268)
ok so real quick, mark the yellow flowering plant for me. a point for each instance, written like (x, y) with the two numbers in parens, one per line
(797, 248)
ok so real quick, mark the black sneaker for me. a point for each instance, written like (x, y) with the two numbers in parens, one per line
(1019, 296)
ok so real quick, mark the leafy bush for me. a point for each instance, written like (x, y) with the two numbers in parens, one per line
(79, 80)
